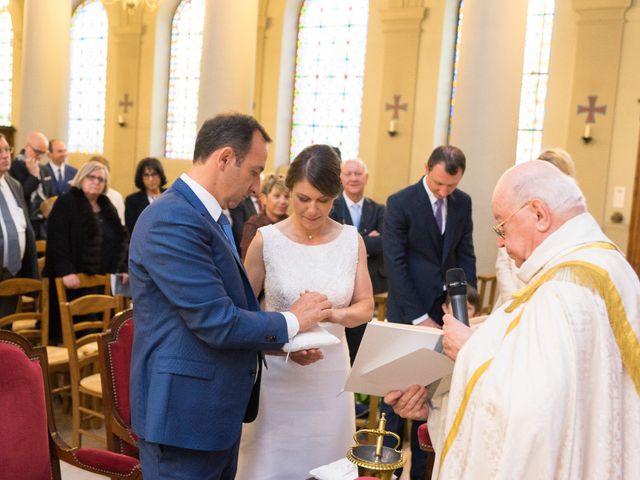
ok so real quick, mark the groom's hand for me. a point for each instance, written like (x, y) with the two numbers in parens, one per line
(311, 308)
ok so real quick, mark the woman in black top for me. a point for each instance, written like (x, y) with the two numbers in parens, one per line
(150, 179)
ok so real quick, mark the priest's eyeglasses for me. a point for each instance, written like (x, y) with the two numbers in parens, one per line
(499, 228)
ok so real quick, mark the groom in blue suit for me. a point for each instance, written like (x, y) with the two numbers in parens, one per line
(196, 361)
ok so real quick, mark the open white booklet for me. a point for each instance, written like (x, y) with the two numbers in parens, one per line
(394, 356)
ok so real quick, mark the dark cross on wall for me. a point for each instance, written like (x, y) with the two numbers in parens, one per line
(396, 106)
(126, 103)
(591, 109)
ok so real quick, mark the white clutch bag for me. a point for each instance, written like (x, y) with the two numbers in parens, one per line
(317, 337)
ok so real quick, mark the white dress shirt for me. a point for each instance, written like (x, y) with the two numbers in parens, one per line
(16, 213)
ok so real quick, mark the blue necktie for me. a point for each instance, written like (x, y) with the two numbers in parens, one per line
(223, 221)
(356, 215)
(10, 245)
(438, 215)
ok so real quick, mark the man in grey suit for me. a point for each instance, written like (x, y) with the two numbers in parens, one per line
(17, 241)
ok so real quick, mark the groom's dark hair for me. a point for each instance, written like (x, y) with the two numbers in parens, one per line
(233, 130)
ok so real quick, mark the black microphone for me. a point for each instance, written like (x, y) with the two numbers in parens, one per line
(457, 290)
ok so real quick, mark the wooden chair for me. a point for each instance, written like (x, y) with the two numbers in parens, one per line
(30, 443)
(41, 247)
(487, 287)
(380, 301)
(93, 312)
(34, 325)
(115, 347)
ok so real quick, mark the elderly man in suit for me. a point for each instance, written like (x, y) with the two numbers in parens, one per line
(353, 208)
(428, 230)
(35, 178)
(17, 240)
(196, 360)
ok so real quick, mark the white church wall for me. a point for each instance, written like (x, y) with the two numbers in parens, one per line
(485, 121)
(626, 128)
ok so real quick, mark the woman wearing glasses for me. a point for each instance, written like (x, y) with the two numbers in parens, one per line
(84, 235)
(150, 180)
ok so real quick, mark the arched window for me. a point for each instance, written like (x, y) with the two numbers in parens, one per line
(454, 80)
(6, 61)
(184, 79)
(88, 84)
(535, 74)
(327, 99)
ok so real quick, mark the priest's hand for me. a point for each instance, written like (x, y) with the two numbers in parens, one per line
(306, 357)
(455, 335)
(412, 403)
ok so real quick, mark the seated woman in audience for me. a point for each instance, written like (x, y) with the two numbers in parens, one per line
(84, 235)
(150, 180)
(305, 419)
(274, 197)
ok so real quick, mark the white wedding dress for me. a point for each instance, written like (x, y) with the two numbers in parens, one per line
(305, 419)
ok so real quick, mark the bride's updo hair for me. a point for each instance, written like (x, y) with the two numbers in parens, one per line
(320, 166)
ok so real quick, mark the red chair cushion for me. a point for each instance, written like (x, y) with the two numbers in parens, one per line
(24, 435)
(423, 437)
(105, 461)
(120, 352)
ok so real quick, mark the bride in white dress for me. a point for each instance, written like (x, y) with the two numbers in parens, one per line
(305, 420)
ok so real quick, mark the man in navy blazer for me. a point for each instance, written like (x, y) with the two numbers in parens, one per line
(427, 230)
(196, 361)
(353, 208)
(61, 172)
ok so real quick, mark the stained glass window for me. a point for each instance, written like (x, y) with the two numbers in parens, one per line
(327, 98)
(456, 56)
(184, 79)
(535, 74)
(6, 66)
(88, 85)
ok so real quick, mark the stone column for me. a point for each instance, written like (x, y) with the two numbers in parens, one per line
(227, 72)
(44, 90)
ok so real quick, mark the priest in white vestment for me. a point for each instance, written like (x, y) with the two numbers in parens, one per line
(549, 386)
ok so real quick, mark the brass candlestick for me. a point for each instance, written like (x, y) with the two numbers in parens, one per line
(376, 460)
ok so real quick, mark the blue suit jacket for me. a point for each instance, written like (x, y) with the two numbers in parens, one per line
(198, 329)
(58, 188)
(416, 255)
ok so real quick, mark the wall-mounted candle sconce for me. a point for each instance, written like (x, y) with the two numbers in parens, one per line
(586, 136)
(392, 128)
(121, 120)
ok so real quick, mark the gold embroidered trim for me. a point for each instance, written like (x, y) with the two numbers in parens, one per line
(463, 406)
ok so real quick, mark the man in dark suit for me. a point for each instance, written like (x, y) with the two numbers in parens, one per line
(17, 240)
(353, 208)
(61, 172)
(428, 230)
(36, 179)
(196, 361)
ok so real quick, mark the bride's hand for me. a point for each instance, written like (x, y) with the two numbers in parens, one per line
(307, 357)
